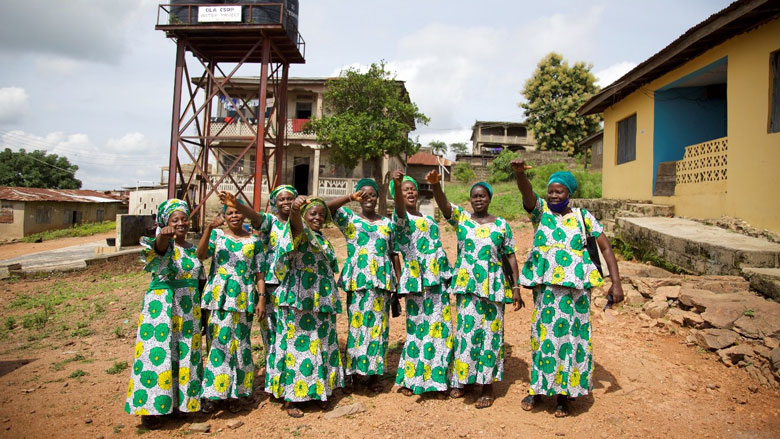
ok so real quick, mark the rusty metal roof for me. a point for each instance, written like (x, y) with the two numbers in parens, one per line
(428, 159)
(66, 195)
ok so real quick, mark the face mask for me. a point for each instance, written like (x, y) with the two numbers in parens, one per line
(558, 207)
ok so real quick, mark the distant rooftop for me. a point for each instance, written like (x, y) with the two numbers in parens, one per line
(67, 195)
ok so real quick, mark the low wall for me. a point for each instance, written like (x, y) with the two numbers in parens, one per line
(130, 229)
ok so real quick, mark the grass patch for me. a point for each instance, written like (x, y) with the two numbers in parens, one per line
(9, 323)
(59, 365)
(88, 229)
(630, 252)
(78, 373)
(118, 367)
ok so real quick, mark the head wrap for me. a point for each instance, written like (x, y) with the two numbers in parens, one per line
(225, 206)
(565, 178)
(363, 182)
(279, 189)
(166, 209)
(485, 185)
(406, 178)
(314, 201)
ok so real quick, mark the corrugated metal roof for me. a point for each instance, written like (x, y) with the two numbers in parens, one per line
(427, 159)
(66, 195)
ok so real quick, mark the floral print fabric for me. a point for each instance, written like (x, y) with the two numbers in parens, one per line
(306, 362)
(427, 354)
(479, 344)
(561, 344)
(270, 228)
(368, 314)
(558, 256)
(369, 261)
(229, 371)
(232, 285)
(479, 269)
(425, 263)
(167, 366)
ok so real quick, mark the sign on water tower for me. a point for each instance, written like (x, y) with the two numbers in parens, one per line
(219, 14)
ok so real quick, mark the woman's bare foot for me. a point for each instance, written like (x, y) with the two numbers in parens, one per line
(486, 398)
(293, 411)
(405, 391)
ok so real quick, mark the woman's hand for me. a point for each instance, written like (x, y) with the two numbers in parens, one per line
(433, 177)
(617, 292)
(298, 203)
(519, 166)
(517, 299)
(228, 199)
(398, 176)
(218, 221)
(358, 196)
(167, 231)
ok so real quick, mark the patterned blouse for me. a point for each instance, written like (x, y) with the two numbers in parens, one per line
(232, 285)
(270, 228)
(177, 263)
(479, 269)
(369, 261)
(557, 257)
(426, 265)
(307, 266)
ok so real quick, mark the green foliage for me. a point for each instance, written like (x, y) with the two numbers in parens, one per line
(630, 252)
(87, 229)
(37, 169)
(35, 320)
(9, 323)
(749, 312)
(367, 115)
(459, 148)
(118, 367)
(553, 95)
(501, 166)
(438, 147)
(464, 173)
(78, 373)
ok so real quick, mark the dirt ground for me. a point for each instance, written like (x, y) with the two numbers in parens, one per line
(12, 250)
(56, 380)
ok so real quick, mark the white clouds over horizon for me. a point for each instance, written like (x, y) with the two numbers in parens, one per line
(613, 73)
(14, 104)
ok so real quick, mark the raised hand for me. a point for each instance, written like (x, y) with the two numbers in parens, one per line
(167, 231)
(228, 199)
(398, 176)
(298, 203)
(358, 196)
(518, 166)
(218, 221)
(433, 177)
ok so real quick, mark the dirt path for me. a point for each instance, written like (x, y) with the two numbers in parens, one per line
(8, 251)
(647, 382)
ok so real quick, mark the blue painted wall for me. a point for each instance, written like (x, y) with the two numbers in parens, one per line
(685, 116)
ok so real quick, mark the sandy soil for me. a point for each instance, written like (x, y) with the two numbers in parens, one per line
(647, 383)
(8, 251)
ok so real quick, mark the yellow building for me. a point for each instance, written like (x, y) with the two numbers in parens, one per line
(697, 125)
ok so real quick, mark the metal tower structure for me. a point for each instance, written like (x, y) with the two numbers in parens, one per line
(274, 44)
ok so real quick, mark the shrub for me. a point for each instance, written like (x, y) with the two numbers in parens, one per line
(464, 173)
(501, 166)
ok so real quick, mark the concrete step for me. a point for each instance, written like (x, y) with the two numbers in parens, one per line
(648, 209)
(764, 280)
(628, 214)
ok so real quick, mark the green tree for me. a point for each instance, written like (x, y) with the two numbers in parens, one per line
(367, 115)
(501, 166)
(553, 95)
(438, 147)
(37, 169)
(464, 173)
(459, 148)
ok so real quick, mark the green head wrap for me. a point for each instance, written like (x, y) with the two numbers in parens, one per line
(363, 182)
(485, 185)
(279, 189)
(406, 178)
(314, 201)
(166, 209)
(565, 178)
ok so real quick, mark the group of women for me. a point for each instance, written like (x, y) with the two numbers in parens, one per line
(284, 271)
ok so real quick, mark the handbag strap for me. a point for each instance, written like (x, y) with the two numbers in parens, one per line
(585, 233)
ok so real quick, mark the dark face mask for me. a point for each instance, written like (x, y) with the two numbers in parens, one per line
(558, 207)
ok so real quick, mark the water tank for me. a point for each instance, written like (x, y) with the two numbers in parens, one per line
(185, 15)
(291, 23)
(260, 13)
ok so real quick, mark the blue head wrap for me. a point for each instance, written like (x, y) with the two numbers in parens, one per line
(565, 178)
(485, 185)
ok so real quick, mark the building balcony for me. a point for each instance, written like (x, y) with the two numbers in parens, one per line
(224, 127)
(504, 140)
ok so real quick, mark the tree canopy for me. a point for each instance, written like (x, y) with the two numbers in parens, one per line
(37, 169)
(367, 115)
(553, 94)
(459, 148)
(438, 147)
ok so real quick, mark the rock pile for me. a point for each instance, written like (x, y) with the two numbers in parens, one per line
(742, 327)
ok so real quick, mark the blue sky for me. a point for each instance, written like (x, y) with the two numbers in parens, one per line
(92, 80)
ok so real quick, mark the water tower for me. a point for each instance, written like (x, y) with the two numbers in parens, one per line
(233, 34)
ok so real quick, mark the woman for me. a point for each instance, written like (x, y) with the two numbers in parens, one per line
(368, 278)
(427, 354)
(167, 369)
(231, 296)
(481, 288)
(269, 227)
(309, 365)
(561, 274)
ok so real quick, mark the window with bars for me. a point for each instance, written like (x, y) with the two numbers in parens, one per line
(626, 140)
(774, 105)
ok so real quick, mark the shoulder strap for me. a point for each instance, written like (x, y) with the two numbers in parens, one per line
(582, 225)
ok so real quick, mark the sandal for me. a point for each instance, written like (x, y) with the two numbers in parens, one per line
(151, 422)
(405, 391)
(207, 406)
(235, 406)
(293, 411)
(562, 409)
(484, 402)
(529, 402)
(457, 392)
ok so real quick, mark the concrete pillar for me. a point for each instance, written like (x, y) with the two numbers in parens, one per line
(315, 175)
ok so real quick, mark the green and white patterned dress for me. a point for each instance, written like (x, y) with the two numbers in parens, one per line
(231, 296)
(561, 275)
(481, 289)
(306, 357)
(368, 278)
(426, 359)
(167, 367)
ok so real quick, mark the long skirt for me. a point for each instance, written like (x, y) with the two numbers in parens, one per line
(427, 354)
(306, 362)
(479, 341)
(268, 324)
(167, 368)
(230, 372)
(561, 348)
(368, 313)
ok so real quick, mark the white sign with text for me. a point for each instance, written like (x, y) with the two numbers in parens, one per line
(219, 14)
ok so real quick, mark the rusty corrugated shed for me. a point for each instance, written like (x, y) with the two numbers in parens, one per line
(67, 195)
(428, 159)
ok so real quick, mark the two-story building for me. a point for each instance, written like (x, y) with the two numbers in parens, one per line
(488, 139)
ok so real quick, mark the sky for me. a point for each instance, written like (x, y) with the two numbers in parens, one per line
(92, 80)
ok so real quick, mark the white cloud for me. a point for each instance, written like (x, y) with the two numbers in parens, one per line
(14, 104)
(612, 73)
(56, 65)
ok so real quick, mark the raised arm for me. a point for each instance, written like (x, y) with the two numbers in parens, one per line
(163, 239)
(398, 198)
(229, 200)
(203, 244)
(529, 197)
(296, 221)
(336, 203)
(434, 178)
